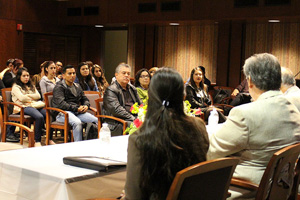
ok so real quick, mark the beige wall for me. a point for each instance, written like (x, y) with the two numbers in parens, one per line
(115, 51)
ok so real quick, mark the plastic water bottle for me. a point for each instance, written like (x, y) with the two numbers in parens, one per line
(105, 136)
(213, 118)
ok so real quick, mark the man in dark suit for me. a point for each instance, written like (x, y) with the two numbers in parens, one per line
(118, 99)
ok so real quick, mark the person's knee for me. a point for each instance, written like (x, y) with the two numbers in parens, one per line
(75, 122)
(39, 117)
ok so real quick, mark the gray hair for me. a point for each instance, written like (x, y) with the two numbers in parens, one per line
(287, 77)
(122, 65)
(264, 71)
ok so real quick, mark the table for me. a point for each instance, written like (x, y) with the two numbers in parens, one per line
(39, 173)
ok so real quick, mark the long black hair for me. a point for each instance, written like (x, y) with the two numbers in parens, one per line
(192, 82)
(88, 79)
(168, 140)
(20, 83)
(137, 77)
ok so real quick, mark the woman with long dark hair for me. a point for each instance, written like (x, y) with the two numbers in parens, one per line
(167, 142)
(197, 91)
(25, 94)
(142, 81)
(197, 94)
(85, 79)
(101, 81)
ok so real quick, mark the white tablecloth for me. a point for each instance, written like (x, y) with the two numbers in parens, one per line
(39, 173)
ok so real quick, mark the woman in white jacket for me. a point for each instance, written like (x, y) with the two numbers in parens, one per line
(25, 94)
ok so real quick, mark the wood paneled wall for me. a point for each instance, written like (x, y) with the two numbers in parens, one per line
(8, 44)
(186, 47)
(279, 39)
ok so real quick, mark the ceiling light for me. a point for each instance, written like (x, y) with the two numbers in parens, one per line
(99, 26)
(274, 20)
(174, 24)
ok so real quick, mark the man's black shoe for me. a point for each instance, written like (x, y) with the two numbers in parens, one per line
(12, 138)
(17, 135)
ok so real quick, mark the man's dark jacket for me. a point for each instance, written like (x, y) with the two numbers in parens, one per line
(114, 103)
(64, 99)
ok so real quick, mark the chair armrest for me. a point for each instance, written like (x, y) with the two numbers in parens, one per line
(223, 105)
(93, 109)
(244, 184)
(28, 130)
(56, 109)
(12, 103)
(111, 117)
(114, 118)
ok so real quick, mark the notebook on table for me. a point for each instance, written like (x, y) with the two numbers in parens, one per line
(93, 162)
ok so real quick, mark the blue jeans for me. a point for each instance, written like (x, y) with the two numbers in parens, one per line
(76, 122)
(39, 115)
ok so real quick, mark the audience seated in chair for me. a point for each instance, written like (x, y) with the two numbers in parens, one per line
(25, 94)
(37, 77)
(8, 80)
(142, 81)
(59, 66)
(289, 88)
(241, 94)
(69, 97)
(85, 79)
(48, 82)
(8, 68)
(118, 99)
(197, 94)
(98, 74)
(255, 131)
(167, 142)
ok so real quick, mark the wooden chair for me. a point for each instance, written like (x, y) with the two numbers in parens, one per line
(224, 88)
(277, 180)
(29, 131)
(294, 194)
(206, 180)
(9, 116)
(51, 121)
(99, 104)
(225, 100)
(92, 96)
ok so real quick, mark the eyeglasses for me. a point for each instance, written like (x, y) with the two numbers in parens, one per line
(144, 76)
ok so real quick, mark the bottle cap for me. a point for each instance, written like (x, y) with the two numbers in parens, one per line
(104, 124)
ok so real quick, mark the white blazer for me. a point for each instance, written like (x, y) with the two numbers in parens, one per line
(254, 132)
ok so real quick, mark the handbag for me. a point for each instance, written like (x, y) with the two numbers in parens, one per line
(38, 104)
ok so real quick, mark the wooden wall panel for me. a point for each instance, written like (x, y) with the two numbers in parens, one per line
(236, 59)
(7, 41)
(223, 53)
(279, 39)
(186, 47)
(40, 47)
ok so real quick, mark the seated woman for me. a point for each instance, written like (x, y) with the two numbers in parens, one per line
(167, 142)
(25, 94)
(85, 79)
(197, 91)
(98, 74)
(48, 82)
(197, 94)
(37, 77)
(142, 81)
